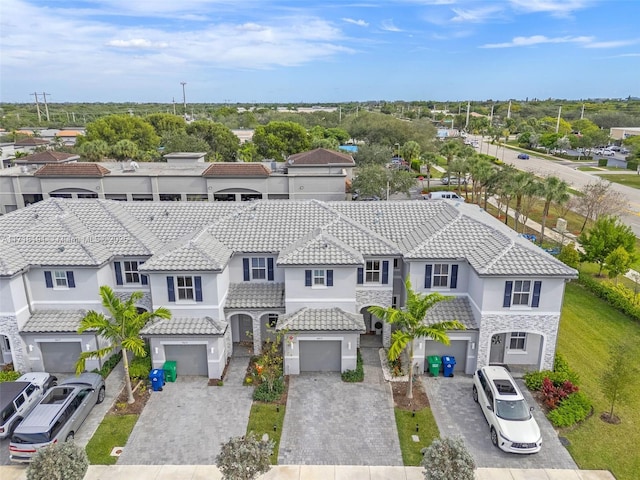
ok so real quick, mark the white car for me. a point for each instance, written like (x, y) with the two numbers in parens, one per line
(608, 153)
(512, 426)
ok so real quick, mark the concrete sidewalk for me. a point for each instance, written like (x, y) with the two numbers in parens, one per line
(308, 472)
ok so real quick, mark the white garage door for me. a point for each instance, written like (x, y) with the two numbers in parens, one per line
(320, 356)
(457, 349)
(60, 357)
(191, 359)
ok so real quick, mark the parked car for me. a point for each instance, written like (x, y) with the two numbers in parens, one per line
(58, 416)
(608, 153)
(512, 426)
(523, 156)
(442, 196)
(624, 151)
(453, 181)
(18, 398)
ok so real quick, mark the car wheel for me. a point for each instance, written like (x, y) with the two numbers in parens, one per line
(101, 395)
(494, 436)
(475, 394)
(69, 437)
(13, 426)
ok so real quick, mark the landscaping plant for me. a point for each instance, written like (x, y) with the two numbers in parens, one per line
(617, 379)
(447, 459)
(59, 461)
(244, 458)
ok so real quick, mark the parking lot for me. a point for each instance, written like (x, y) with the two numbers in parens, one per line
(457, 415)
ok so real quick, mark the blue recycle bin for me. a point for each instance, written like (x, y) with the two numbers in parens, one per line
(157, 379)
(448, 363)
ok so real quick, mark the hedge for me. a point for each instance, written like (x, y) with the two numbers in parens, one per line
(614, 295)
(356, 375)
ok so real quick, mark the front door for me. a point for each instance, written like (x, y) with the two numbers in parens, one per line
(497, 348)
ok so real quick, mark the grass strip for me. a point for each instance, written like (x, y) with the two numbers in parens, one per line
(267, 418)
(427, 432)
(114, 431)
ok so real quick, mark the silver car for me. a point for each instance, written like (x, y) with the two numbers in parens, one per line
(58, 416)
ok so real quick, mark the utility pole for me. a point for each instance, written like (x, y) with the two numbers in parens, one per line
(582, 113)
(46, 107)
(184, 99)
(466, 125)
(73, 114)
(35, 94)
(491, 118)
(174, 105)
(509, 110)
(558, 122)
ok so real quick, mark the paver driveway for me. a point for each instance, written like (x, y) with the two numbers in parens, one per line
(458, 415)
(330, 422)
(186, 422)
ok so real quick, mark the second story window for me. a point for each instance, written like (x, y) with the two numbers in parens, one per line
(258, 268)
(131, 274)
(60, 278)
(372, 271)
(318, 277)
(185, 288)
(521, 292)
(441, 275)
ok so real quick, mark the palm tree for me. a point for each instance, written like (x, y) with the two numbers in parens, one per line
(122, 329)
(523, 185)
(552, 190)
(410, 323)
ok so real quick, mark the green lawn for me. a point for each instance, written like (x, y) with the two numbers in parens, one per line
(262, 419)
(629, 179)
(427, 432)
(114, 431)
(588, 326)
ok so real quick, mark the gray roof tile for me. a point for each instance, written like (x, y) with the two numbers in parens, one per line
(250, 295)
(319, 248)
(186, 326)
(322, 319)
(48, 321)
(454, 308)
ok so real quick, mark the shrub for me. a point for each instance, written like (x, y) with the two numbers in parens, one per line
(561, 373)
(632, 165)
(616, 296)
(553, 395)
(59, 461)
(447, 459)
(244, 458)
(140, 367)
(573, 409)
(602, 162)
(569, 255)
(356, 375)
(9, 376)
(262, 393)
(109, 365)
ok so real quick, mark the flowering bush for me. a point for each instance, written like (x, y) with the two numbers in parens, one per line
(552, 395)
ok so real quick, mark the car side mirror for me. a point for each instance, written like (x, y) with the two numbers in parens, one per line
(531, 409)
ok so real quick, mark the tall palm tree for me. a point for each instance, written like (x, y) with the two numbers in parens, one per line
(411, 326)
(553, 190)
(121, 329)
(523, 185)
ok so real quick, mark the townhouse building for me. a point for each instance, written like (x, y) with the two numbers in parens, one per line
(234, 273)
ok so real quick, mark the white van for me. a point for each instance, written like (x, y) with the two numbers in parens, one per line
(18, 398)
(443, 196)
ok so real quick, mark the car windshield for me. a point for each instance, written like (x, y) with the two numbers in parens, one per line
(512, 409)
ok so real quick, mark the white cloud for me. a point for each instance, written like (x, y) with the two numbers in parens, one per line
(559, 8)
(388, 26)
(612, 44)
(360, 23)
(140, 43)
(537, 40)
(477, 15)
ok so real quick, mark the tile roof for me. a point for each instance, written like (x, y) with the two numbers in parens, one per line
(49, 321)
(322, 319)
(319, 248)
(83, 169)
(320, 156)
(237, 169)
(31, 142)
(11, 259)
(454, 308)
(47, 157)
(250, 295)
(69, 133)
(186, 326)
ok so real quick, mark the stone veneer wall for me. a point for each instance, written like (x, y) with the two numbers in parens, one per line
(146, 301)
(9, 327)
(366, 297)
(545, 325)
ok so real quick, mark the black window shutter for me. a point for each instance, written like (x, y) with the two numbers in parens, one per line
(427, 275)
(454, 276)
(360, 275)
(171, 292)
(48, 280)
(329, 278)
(198, 284)
(71, 283)
(508, 288)
(307, 278)
(245, 269)
(535, 301)
(118, 268)
(385, 271)
(270, 269)
(144, 279)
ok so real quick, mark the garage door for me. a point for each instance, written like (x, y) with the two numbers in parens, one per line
(318, 356)
(192, 359)
(60, 357)
(457, 349)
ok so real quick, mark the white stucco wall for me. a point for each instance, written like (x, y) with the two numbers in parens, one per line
(342, 294)
(551, 294)
(236, 274)
(211, 304)
(85, 295)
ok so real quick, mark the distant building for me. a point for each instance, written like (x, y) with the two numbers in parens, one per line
(620, 133)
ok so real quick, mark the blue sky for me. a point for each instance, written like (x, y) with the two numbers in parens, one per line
(316, 51)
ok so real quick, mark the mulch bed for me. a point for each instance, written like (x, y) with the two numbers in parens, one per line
(141, 394)
(419, 400)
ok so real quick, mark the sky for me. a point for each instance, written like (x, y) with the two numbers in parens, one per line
(317, 51)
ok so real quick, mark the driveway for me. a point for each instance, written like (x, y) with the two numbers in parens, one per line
(330, 422)
(457, 415)
(186, 422)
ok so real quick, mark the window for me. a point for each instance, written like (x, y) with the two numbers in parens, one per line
(441, 275)
(319, 277)
(60, 278)
(372, 271)
(259, 268)
(185, 288)
(518, 341)
(395, 263)
(131, 274)
(521, 292)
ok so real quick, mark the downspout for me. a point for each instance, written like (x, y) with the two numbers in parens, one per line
(26, 293)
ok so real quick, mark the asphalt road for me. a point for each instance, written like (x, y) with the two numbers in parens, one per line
(576, 178)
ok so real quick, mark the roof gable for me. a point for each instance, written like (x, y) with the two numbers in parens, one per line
(320, 156)
(319, 248)
(83, 169)
(239, 169)
(47, 157)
